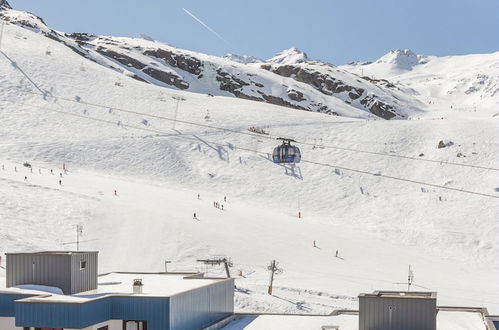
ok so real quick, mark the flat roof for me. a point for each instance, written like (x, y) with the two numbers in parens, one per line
(121, 284)
(401, 294)
(446, 320)
(50, 252)
(153, 284)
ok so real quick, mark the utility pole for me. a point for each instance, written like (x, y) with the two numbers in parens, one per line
(166, 265)
(217, 261)
(178, 99)
(79, 232)
(273, 270)
(1, 33)
(410, 278)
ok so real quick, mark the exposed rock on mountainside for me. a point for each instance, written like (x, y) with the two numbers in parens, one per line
(288, 79)
(244, 59)
(329, 85)
(4, 4)
(182, 61)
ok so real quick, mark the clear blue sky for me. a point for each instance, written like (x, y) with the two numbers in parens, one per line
(328, 30)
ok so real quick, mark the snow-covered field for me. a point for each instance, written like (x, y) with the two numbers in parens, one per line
(378, 224)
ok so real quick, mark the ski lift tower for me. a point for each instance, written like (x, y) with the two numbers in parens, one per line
(178, 99)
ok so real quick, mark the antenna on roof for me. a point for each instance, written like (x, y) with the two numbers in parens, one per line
(410, 281)
(79, 233)
(410, 278)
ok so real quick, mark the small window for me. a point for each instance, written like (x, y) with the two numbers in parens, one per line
(83, 264)
(103, 328)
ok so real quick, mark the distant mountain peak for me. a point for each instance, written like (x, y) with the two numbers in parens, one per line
(5, 4)
(402, 58)
(244, 59)
(289, 56)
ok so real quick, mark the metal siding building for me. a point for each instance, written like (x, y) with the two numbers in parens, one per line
(7, 302)
(388, 310)
(191, 310)
(57, 269)
(154, 310)
(197, 308)
(175, 301)
(84, 279)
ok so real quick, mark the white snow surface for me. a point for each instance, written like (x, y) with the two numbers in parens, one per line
(446, 320)
(244, 59)
(378, 225)
(289, 56)
(466, 83)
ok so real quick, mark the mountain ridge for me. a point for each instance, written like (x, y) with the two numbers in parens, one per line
(312, 85)
(290, 78)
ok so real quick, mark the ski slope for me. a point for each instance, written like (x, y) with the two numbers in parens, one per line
(121, 137)
(467, 83)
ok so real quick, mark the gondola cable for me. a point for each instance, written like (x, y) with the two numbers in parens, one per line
(266, 154)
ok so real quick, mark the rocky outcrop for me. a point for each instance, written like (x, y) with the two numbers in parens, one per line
(377, 107)
(380, 82)
(329, 85)
(324, 83)
(279, 101)
(234, 85)
(81, 38)
(166, 77)
(444, 144)
(295, 95)
(182, 61)
(230, 83)
(121, 58)
(4, 4)
(67, 42)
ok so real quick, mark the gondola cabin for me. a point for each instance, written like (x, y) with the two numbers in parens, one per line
(286, 153)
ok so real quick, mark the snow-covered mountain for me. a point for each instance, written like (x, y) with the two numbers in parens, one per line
(244, 59)
(4, 4)
(289, 79)
(290, 57)
(385, 194)
(463, 83)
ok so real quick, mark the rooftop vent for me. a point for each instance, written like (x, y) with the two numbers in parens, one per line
(137, 286)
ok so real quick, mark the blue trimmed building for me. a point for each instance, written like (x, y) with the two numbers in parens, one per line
(119, 301)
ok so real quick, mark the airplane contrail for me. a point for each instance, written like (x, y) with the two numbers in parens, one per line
(203, 24)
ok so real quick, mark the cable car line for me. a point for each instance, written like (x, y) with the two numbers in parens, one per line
(267, 154)
(268, 136)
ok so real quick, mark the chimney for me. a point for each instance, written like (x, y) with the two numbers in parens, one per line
(137, 286)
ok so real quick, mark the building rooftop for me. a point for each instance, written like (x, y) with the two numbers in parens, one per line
(446, 320)
(50, 253)
(401, 294)
(115, 284)
(154, 284)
